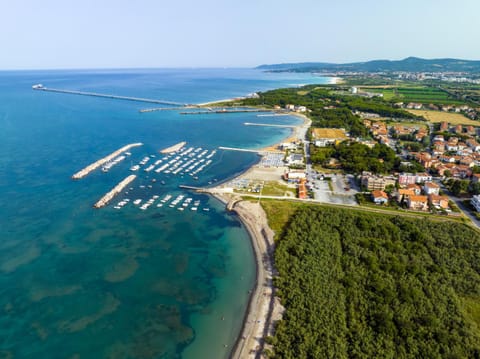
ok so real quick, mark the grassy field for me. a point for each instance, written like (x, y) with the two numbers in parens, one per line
(273, 188)
(440, 116)
(420, 94)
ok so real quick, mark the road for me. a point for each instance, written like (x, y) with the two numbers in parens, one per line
(459, 202)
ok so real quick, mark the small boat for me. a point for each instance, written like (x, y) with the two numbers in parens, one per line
(137, 201)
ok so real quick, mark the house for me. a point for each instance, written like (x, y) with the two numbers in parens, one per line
(300, 109)
(290, 107)
(444, 126)
(476, 178)
(302, 189)
(294, 176)
(379, 197)
(295, 159)
(458, 129)
(431, 188)
(474, 145)
(437, 201)
(476, 202)
(415, 188)
(423, 177)
(419, 203)
(403, 194)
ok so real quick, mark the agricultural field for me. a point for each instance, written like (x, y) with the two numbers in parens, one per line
(440, 116)
(425, 95)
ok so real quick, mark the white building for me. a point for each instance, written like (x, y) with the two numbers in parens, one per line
(476, 202)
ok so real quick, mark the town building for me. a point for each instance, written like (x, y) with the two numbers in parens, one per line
(375, 182)
(328, 136)
(437, 201)
(476, 202)
(431, 188)
(379, 197)
(418, 203)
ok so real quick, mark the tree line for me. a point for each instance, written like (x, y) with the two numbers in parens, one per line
(363, 285)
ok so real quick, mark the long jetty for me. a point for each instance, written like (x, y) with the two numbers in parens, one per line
(91, 167)
(212, 111)
(117, 97)
(246, 150)
(115, 190)
(154, 109)
(268, 125)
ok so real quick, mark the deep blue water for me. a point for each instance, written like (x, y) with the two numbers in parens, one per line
(125, 283)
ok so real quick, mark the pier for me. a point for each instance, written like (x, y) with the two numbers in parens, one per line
(115, 190)
(154, 109)
(116, 97)
(268, 125)
(91, 167)
(247, 150)
(213, 111)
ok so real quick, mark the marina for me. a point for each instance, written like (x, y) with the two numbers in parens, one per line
(116, 190)
(85, 171)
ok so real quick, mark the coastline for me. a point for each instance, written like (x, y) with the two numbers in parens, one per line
(263, 309)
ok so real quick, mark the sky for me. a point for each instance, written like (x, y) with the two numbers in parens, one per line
(57, 34)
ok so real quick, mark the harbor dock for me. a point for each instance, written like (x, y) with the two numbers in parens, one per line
(174, 148)
(91, 167)
(115, 190)
(117, 97)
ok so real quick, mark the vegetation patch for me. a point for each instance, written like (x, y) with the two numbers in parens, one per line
(366, 285)
(441, 116)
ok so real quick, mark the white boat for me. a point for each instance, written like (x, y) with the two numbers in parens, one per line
(134, 168)
(137, 201)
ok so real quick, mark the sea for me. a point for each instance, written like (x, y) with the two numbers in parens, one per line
(125, 282)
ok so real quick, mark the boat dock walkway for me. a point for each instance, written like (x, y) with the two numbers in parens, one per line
(115, 190)
(154, 109)
(268, 125)
(91, 167)
(117, 97)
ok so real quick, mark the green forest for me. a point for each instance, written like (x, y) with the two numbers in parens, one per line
(366, 285)
(329, 109)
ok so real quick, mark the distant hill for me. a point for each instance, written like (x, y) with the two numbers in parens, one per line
(410, 64)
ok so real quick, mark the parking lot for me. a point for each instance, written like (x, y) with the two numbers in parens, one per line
(342, 190)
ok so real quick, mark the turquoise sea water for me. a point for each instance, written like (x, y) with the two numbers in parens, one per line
(82, 283)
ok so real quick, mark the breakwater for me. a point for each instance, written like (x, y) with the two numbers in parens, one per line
(115, 190)
(174, 148)
(91, 167)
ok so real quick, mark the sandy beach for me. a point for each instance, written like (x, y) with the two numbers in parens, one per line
(264, 309)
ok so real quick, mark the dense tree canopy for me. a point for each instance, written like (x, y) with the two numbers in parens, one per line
(360, 285)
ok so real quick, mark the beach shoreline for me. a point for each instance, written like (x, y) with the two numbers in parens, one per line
(264, 308)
